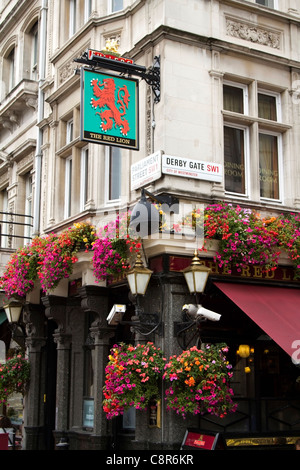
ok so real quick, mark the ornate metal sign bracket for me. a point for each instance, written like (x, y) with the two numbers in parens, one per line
(108, 60)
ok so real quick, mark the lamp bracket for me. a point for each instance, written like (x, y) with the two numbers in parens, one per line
(145, 323)
(125, 66)
(166, 199)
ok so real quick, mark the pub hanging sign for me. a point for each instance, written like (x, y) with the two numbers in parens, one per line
(109, 109)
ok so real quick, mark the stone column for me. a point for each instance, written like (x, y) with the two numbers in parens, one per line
(56, 310)
(95, 300)
(33, 317)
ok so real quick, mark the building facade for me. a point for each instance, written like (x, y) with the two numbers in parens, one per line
(224, 127)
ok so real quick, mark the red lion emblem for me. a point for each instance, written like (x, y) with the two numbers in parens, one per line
(106, 97)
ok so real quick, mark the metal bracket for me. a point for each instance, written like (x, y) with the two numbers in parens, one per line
(150, 75)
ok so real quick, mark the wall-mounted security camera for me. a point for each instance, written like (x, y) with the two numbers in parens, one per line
(208, 314)
(198, 312)
(116, 313)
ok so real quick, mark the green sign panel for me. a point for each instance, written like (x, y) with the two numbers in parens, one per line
(109, 109)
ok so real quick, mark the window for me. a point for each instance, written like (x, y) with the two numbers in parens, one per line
(266, 3)
(234, 160)
(113, 167)
(34, 51)
(235, 99)
(70, 129)
(72, 17)
(84, 163)
(28, 208)
(116, 5)
(258, 135)
(11, 70)
(87, 9)
(4, 219)
(269, 165)
(68, 187)
(269, 106)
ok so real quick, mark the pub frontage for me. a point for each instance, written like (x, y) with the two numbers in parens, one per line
(71, 332)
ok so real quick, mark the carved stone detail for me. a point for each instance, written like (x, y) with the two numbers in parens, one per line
(253, 33)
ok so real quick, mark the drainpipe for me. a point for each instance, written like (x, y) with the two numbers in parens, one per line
(40, 116)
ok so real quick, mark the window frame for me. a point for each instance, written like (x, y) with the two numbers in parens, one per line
(277, 96)
(246, 132)
(84, 177)
(274, 7)
(108, 189)
(280, 165)
(68, 187)
(245, 90)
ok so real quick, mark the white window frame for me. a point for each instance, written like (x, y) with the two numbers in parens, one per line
(34, 51)
(280, 165)
(245, 129)
(5, 226)
(72, 17)
(84, 161)
(68, 187)
(28, 207)
(70, 131)
(107, 177)
(243, 87)
(277, 97)
(87, 10)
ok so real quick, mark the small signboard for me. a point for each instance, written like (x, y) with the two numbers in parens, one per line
(146, 171)
(109, 109)
(202, 440)
(187, 168)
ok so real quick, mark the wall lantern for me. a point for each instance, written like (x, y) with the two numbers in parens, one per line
(196, 275)
(13, 310)
(244, 350)
(138, 277)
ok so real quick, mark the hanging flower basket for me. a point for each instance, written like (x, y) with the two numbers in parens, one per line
(198, 382)
(14, 377)
(133, 375)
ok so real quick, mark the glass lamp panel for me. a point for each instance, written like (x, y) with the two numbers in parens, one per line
(132, 283)
(200, 280)
(142, 282)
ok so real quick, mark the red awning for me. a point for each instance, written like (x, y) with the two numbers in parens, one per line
(276, 310)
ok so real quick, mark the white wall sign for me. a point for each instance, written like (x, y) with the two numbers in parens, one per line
(146, 170)
(187, 168)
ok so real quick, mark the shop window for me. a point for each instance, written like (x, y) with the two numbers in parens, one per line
(68, 187)
(84, 166)
(113, 173)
